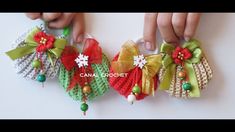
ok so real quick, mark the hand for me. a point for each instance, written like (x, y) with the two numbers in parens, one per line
(172, 27)
(61, 20)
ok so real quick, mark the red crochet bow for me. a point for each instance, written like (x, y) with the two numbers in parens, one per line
(94, 53)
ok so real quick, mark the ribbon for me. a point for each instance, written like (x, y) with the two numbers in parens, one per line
(170, 66)
(54, 48)
(93, 51)
(125, 63)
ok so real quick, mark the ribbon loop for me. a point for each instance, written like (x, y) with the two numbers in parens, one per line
(167, 48)
(20, 52)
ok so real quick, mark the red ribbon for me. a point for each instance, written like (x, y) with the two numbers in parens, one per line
(70, 53)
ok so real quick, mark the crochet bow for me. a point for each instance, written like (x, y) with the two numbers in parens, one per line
(190, 53)
(38, 41)
(94, 56)
(125, 63)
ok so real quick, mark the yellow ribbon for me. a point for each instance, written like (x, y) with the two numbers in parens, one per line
(125, 63)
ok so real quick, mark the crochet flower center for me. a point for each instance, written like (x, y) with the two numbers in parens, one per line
(43, 40)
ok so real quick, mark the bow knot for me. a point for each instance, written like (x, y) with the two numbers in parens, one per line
(44, 41)
(81, 62)
(181, 54)
(40, 42)
(129, 59)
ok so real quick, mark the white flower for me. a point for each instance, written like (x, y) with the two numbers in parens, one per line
(81, 60)
(139, 61)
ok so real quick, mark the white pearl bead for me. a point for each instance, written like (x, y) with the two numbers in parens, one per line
(131, 98)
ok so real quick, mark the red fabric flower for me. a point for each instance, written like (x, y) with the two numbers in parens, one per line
(44, 41)
(181, 54)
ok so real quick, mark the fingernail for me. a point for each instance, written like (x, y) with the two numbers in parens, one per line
(148, 45)
(186, 38)
(80, 38)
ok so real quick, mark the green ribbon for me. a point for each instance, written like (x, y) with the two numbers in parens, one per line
(170, 66)
(66, 31)
(31, 45)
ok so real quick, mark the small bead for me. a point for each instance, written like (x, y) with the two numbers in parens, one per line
(86, 89)
(36, 63)
(136, 94)
(181, 74)
(186, 86)
(131, 98)
(41, 78)
(136, 89)
(84, 107)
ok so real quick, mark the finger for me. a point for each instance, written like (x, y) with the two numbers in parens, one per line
(63, 21)
(178, 22)
(191, 25)
(150, 28)
(78, 27)
(166, 28)
(50, 16)
(33, 16)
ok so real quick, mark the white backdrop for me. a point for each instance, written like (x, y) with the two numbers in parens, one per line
(20, 98)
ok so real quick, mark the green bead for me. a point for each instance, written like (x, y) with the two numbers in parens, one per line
(36, 63)
(136, 89)
(66, 31)
(84, 107)
(187, 86)
(41, 78)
